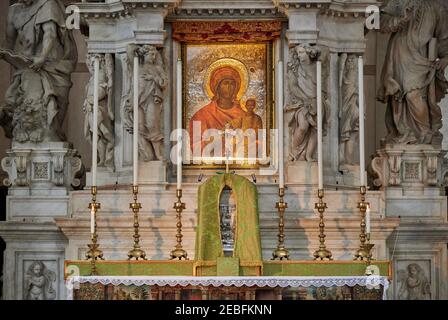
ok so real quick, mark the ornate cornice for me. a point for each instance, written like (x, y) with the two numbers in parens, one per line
(195, 9)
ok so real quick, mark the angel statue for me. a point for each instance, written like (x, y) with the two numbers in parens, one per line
(39, 282)
(414, 283)
(43, 54)
(302, 81)
(106, 115)
(413, 79)
(153, 82)
(348, 112)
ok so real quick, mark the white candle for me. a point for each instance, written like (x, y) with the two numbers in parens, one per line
(362, 160)
(92, 221)
(281, 164)
(95, 120)
(136, 121)
(368, 219)
(179, 124)
(319, 126)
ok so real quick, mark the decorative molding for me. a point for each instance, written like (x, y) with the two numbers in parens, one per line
(206, 31)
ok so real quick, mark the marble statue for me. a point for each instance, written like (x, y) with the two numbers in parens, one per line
(39, 282)
(106, 115)
(414, 284)
(413, 80)
(153, 82)
(43, 55)
(348, 112)
(301, 79)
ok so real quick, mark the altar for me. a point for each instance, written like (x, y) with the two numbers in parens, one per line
(225, 280)
(206, 150)
(227, 288)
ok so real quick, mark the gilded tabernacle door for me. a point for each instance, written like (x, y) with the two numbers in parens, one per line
(246, 230)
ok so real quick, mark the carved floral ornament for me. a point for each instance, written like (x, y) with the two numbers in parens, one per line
(210, 31)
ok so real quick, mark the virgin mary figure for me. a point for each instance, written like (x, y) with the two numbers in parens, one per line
(225, 84)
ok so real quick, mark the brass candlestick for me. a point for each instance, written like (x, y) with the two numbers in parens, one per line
(281, 252)
(136, 253)
(323, 253)
(94, 253)
(178, 252)
(365, 248)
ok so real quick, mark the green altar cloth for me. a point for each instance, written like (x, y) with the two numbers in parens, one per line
(189, 268)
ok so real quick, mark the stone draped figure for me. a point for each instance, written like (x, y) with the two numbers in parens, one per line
(39, 282)
(413, 80)
(301, 77)
(43, 55)
(153, 82)
(348, 112)
(106, 115)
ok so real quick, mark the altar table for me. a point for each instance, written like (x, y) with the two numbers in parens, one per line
(227, 288)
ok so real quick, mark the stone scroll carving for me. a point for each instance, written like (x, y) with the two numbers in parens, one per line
(405, 166)
(106, 115)
(348, 112)
(301, 77)
(153, 82)
(43, 55)
(39, 282)
(413, 80)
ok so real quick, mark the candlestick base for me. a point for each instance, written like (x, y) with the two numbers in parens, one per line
(94, 252)
(179, 253)
(364, 252)
(281, 253)
(136, 253)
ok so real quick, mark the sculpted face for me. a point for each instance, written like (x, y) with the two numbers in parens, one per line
(302, 55)
(151, 55)
(227, 89)
(37, 270)
(413, 270)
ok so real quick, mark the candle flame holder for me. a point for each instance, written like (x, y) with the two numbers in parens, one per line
(281, 253)
(365, 248)
(179, 253)
(94, 253)
(136, 253)
(322, 253)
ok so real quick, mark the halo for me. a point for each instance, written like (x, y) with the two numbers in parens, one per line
(227, 62)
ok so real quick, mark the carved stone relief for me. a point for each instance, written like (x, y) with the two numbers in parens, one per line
(106, 114)
(413, 280)
(153, 82)
(302, 79)
(348, 112)
(413, 80)
(39, 282)
(37, 99)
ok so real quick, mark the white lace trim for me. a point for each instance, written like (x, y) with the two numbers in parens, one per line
(370, 282)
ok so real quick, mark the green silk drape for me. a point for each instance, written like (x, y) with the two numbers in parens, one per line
(208, 233)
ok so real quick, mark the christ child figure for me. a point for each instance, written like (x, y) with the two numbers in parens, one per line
(249, 124)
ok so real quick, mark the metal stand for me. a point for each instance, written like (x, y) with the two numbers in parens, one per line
(136, 253)
(94, 253)
(179, 253)
(281, 252)
(323, 253)
(365, 248)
